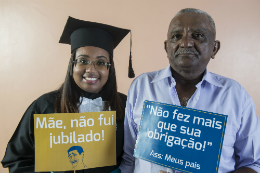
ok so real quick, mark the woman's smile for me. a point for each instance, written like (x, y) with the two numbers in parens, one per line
(91, 80)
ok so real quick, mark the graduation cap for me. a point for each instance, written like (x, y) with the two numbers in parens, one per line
(80, 33)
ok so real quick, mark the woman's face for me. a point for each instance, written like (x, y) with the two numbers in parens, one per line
(91, 78)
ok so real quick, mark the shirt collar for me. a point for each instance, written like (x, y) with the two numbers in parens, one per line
(166, 73)
(210, 78)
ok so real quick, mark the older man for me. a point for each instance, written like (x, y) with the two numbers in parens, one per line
(186, 82)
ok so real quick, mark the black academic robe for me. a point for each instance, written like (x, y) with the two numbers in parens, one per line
(19, 155)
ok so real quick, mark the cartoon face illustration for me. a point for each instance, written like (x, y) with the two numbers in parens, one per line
(76, 156)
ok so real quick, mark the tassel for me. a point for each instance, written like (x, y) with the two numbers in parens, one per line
(131, 73)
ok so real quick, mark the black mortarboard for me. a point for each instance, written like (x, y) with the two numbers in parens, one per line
(79, 33)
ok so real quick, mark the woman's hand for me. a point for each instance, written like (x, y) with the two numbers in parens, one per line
(166, 172)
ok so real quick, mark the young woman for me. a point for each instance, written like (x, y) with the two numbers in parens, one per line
(89, 86)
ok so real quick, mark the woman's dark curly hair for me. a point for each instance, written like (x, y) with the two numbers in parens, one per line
(69, 92)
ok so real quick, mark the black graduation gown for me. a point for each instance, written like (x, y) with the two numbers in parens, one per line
(19, 155)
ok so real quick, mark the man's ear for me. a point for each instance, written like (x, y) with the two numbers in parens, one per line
(216, 48)
(165, 45)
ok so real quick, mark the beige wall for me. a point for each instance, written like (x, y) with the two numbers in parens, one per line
(33, 63)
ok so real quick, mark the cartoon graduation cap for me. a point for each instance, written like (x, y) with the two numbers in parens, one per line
(79, 33)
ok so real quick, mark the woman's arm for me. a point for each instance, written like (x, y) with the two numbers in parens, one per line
(19, 155)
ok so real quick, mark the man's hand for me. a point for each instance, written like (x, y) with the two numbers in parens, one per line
(240, 170)
(244, 170)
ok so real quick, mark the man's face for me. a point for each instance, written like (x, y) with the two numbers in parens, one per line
(190, 45)
(75, 158)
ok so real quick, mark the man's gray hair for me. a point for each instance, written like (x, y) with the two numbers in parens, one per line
(197, 11)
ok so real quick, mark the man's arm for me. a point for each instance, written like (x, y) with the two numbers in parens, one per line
(247, 145)
(128, 162)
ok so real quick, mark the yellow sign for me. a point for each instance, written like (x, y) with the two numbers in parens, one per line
(74, 141)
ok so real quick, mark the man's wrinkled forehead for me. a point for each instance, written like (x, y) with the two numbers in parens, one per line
(193, 21)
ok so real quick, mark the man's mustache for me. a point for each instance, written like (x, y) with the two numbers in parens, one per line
(186, 51)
